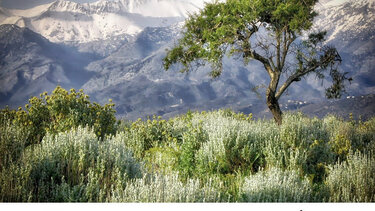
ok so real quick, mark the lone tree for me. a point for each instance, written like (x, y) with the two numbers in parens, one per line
(276, 33)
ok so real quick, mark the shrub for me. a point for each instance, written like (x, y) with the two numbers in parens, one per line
(364, 137)
(319, 155)
(62, 111)
(352, 180)
(71, 166)
(12, 140)
(276, 185)
(192, 140)
(141, 135)
(195, 157)
(162, 159)
(230, 146)
(168, 188)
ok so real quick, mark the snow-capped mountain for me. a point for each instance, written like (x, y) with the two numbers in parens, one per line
(65, 21)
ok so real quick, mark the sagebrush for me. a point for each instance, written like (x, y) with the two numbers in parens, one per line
(216, 156)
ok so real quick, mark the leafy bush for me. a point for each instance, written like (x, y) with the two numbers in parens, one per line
(364, 136)
(162, 159)
(191, 142)
(141, 135)
(62, 111)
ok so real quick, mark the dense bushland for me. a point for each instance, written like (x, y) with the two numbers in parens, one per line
(62, 147)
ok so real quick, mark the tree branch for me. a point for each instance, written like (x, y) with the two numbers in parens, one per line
(261, 59)
(287, 42)
(296, 76)
(278, 51)
(247, 52)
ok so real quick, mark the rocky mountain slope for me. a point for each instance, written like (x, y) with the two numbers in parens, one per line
(350, 28)
(30, 64)
(361, 107)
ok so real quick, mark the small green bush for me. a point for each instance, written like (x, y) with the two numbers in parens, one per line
(319, 156)
(162, 159)
(191, 142)
(141, 135)
(231, 146)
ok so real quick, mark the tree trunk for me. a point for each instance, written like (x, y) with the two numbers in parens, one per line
(274, 107)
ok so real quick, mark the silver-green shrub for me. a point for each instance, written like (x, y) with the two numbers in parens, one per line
(276, 185)
(352, 180)
(12, 143)
(70, 161)
(232, 143)
(199, 156)
(168, 188)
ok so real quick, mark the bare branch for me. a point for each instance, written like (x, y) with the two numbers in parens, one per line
(289, 38)
(253, 54)
(323, 63)
(278, 51)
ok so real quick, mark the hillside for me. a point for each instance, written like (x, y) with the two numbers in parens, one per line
(361, 107)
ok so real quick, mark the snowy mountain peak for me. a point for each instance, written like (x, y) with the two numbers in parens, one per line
(66, 21)
(101, 6)
(150, 8)
(104, 6)
(67, 6)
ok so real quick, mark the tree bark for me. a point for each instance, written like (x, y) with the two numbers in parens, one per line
(274, 107)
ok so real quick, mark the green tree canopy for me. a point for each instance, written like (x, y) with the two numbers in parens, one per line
(276, 33)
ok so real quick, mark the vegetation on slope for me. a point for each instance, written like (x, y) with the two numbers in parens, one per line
(62, 147)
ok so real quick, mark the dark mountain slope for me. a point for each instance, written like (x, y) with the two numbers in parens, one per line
(30, 64)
